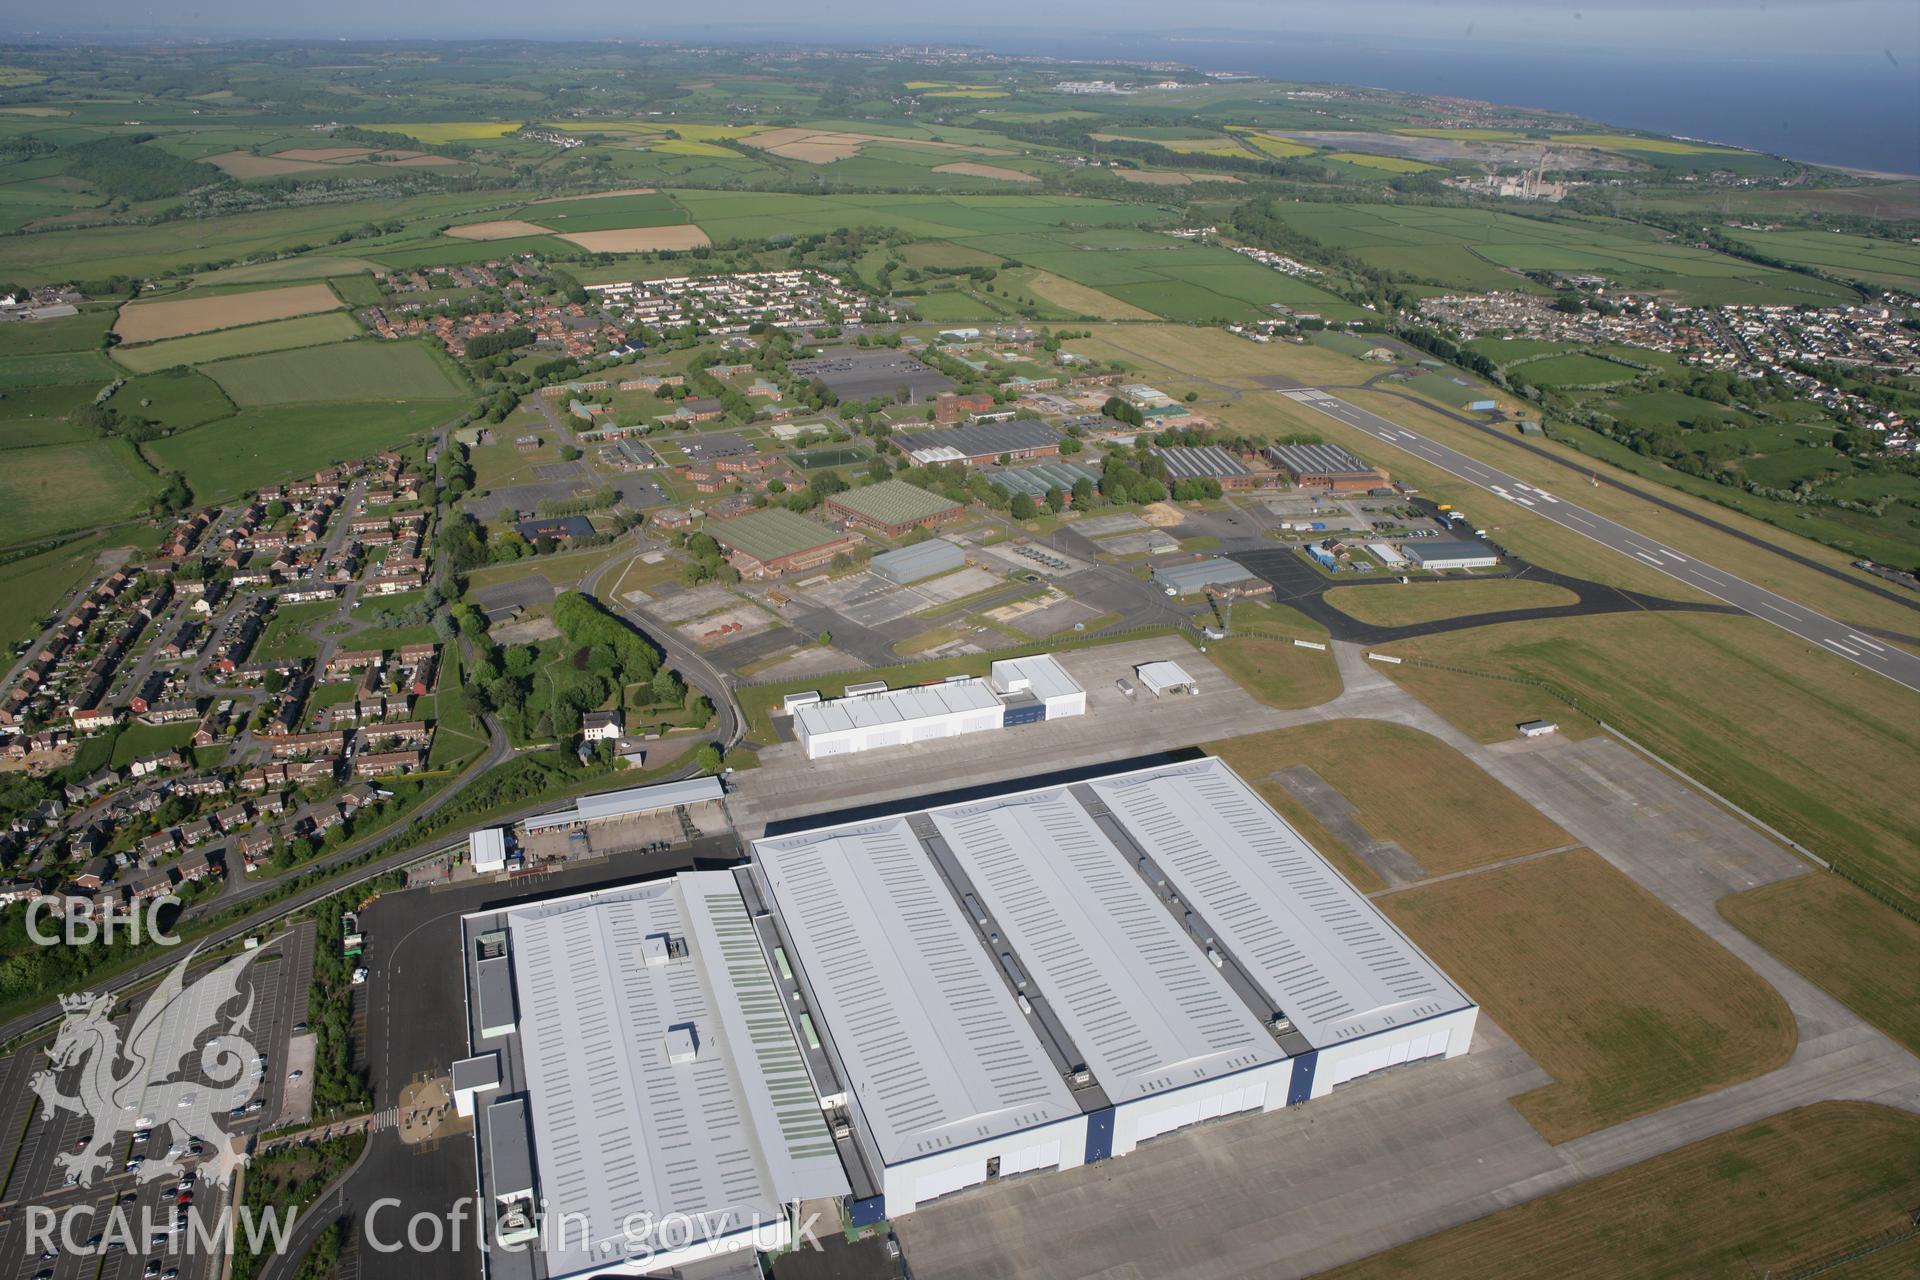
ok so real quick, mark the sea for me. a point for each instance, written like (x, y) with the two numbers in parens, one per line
(1862, 113)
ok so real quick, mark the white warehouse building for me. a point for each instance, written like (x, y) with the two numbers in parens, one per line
(1046, 978)
(882, 1012)
(1018, 691)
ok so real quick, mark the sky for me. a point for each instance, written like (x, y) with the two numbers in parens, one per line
(1826, 29)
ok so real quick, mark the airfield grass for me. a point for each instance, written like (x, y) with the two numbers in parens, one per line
(1488, 710)
(344, 371)
(1180, 351)
(264, 446)
(1080, 300)
(1397, 606)
(64, 486)
(1511, 522)
(255, 339)
(1405, 786)
(1806, 740)
(1857, 950)
(1278, 672)
(1627, 1006)
(1778, 1195)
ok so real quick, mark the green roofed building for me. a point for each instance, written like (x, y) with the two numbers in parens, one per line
(892, 507)
(1036, 481)
(764, 544)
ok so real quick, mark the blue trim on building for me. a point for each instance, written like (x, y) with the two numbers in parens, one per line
(864, 1213)
(1099, 1134)
(1301, 1088)
(1032, 713)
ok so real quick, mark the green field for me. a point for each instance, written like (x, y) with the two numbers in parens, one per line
(1102, 244)
(275, 335)
(1893, 263)
(1574, 371)
(83, 332)
(261, 446)
(33, 585)
(67, 486)
(180, 398)
(1482, 249)
(366, 370)
(52, 368)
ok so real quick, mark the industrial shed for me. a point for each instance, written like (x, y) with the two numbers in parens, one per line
(1019, 691)
(1216, 574)
(919, 562)
(1211, 462)
(1038, 480)
(655, 1095)
(982, 442)
(1453, 554)
(629, 803)
(766, 543)
(1325, 466)
(893, 508)
(1048, 977)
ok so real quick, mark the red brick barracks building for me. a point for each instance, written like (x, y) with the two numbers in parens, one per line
(1325, 466)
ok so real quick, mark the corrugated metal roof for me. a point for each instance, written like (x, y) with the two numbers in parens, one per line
(895, 706)
(922, 560)
(631, 802)
(619, 1127)
(772, 532)
(1456, 549)
(1185, 462)
(1036, 480)
(891, 502)
(1321, 951)
(936, 1052)
(1139, 1000)
(1199, 574)
(1316, 459)
(935, 1046)
(984, 439)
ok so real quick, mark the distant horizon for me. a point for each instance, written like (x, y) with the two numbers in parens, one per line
(1856, 109)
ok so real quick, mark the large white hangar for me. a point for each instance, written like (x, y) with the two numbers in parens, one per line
(879, 1012)
(639, 1083)
(1048, 977)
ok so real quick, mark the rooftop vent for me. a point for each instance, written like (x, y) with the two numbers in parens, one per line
(683, 1045)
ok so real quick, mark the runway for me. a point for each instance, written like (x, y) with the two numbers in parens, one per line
(1895, 664)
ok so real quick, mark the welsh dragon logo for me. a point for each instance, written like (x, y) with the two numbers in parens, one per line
(148, 1093)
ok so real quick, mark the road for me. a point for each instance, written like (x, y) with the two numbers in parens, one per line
(1895, 664)
(729, 725)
